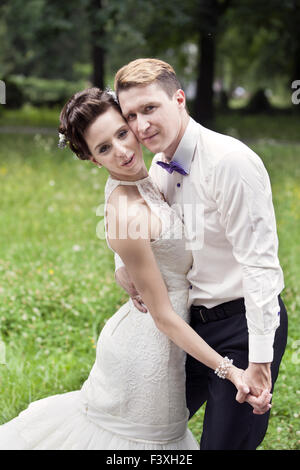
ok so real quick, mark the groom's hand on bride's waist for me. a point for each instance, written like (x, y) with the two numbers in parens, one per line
(123, 279)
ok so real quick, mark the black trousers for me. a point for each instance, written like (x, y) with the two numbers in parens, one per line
(229, 425)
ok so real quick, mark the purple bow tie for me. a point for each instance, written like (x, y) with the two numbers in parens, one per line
(173, 166)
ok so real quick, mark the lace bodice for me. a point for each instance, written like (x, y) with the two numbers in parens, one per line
(139, 374)
(172, 256)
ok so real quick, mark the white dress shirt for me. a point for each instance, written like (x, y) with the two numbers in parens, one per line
(225, 202)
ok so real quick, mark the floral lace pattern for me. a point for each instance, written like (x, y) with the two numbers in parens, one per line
(141, 368)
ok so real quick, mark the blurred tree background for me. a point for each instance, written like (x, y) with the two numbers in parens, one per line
(236, 60)
(224, 51)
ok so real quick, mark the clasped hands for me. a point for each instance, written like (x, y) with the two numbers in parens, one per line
(253, 385)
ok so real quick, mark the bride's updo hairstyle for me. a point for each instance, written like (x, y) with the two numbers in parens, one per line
(80, 111)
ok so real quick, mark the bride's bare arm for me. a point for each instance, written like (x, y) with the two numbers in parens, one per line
(146, 276)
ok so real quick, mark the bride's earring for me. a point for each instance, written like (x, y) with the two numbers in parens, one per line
(96, 163)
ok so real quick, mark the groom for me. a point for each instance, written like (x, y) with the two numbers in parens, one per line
(235, 279)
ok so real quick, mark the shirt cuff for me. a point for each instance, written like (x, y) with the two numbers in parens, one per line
(261, 348)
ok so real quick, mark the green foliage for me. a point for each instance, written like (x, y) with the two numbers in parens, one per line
(30, 116)
(258, 43)
(45, 92)
(268, 129)
(14, 94)
(42, 38)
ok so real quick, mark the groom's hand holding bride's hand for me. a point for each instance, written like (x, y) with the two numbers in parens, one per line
(123, 279)
(258, 378)
(256, 394)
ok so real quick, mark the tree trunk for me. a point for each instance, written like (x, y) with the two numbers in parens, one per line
(296, 61)
(97, 52)
(98, 66)
(204, 111)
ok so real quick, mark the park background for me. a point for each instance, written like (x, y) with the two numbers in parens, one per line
(237, 61)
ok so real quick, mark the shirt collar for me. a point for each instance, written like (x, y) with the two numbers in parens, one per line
(185, 151)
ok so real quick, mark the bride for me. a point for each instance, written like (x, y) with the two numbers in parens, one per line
(134, 397)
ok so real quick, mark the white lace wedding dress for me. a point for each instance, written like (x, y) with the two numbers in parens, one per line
(134, 397)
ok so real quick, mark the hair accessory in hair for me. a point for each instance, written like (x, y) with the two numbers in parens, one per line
(62, 141)
(112, 94)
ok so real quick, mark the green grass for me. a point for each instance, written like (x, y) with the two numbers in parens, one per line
(57, 278)
(282, 126)
(30, 116)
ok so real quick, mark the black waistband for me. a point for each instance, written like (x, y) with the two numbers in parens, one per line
(219, 312)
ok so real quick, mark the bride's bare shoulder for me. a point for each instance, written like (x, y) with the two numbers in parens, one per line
(123, 196)
(116, 193)
(125, 205)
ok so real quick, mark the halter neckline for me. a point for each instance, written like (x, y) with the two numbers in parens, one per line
(130, 182)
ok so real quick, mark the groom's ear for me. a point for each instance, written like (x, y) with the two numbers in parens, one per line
(179, 96)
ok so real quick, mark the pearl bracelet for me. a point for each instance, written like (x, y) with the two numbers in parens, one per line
(223, 367)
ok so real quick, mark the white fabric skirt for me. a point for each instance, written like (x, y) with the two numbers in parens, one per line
(59, 422)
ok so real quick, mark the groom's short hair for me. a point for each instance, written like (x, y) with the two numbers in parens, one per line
(142, 72)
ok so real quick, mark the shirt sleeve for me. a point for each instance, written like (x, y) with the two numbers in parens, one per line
(242, 191)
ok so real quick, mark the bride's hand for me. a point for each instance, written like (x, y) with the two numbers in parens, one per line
(123, 279)
(260, 404)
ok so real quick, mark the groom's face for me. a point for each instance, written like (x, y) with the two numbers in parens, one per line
(154, 117)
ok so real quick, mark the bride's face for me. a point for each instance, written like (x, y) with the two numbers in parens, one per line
(113, 145)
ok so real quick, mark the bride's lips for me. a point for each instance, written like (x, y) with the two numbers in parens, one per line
(130, 161)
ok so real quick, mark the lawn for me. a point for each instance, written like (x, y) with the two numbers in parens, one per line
(57, 278)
